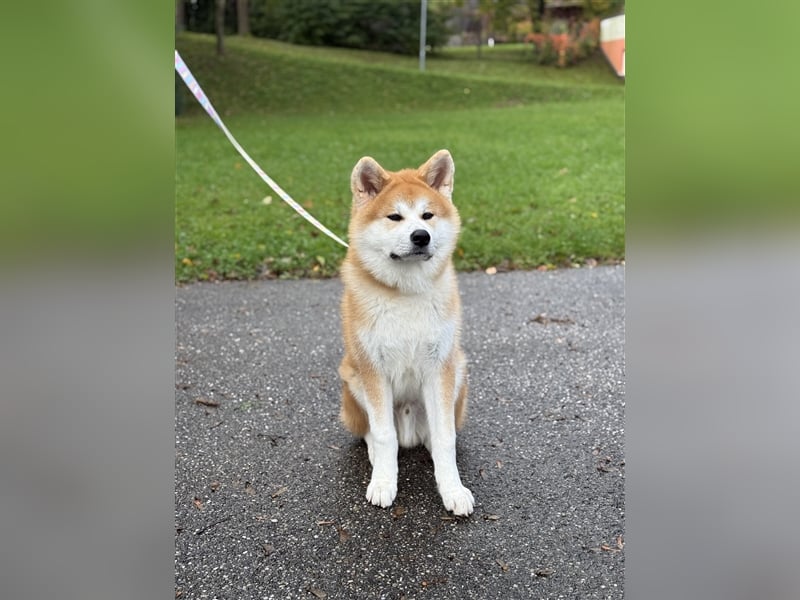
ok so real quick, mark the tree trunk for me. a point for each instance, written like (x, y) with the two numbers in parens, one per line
(242, 17)
(480, 35)
(180, 16)
(219, 26)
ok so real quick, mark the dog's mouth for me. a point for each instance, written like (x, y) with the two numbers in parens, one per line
(415, 256)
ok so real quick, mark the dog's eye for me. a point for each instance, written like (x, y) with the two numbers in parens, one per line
(427, 215)
(394, 217)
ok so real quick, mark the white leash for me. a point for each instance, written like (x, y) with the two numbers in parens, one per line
(195, 88)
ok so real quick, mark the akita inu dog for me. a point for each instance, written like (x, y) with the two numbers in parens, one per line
(404, 374)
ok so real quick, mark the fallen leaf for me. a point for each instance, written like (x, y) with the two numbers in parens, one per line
(563, 171)
(268, 549)
(434, 581)
(266, 200)
(344, 535)
(543, 572)
(499, 464)
(198, 504)
(620, 542)
(491, 270)
(333, 447)
(187, 261)
(178, 593)
(322, 523)
(398, 511)
(502, 563)
(482, 473)
(491, 517)
(214, 485)
(608, 548)
(318, 592)
(279, 492)
(543, 319)
(206, 402)
(249, 489)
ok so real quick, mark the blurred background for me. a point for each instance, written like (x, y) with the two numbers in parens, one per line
(521, 93)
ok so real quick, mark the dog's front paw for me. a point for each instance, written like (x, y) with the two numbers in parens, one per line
(459, 500)
(381, 493)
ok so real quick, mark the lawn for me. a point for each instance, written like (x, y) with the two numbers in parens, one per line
(539, 154)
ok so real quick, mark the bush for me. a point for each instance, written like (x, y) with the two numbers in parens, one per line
(263, 18)
(564, 49)
(384, 25)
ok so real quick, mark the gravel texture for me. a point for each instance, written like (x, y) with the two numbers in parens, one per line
(269, 490)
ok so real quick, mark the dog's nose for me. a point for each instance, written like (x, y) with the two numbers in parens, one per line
(420, 238)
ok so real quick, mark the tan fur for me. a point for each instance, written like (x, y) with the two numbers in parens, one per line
(404, 183)
(401, 323)
(352, 415)
(461, 403)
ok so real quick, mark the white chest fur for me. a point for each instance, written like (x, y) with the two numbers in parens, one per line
(408, 338)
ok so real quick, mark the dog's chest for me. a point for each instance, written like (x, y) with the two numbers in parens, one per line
(408, 336)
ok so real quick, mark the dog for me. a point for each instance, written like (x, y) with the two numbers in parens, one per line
(404, 375)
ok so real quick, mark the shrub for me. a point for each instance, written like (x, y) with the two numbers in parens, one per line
(384, 25)
(562, 48)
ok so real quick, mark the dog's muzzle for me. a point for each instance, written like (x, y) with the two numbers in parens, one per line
(420, 238)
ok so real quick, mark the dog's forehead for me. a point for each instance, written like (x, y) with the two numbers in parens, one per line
(405, 194)
(413, 195)
(414, 203)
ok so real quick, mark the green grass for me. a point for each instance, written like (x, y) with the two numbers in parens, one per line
(539, 157)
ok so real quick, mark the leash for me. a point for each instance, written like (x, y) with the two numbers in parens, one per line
(195, 88)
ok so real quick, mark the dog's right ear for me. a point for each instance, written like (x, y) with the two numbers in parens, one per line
(367, 180)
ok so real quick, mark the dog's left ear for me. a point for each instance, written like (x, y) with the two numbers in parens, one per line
(438, 173)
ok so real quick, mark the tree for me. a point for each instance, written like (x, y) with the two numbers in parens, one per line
(497, 13)
(383, 25)
(242, 17)
(219, 26)
(180, 16)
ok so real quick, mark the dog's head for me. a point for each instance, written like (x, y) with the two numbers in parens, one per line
(404, 224)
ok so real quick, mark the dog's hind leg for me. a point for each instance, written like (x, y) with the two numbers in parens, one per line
(411, 424)
(461, 390)
(351, 414)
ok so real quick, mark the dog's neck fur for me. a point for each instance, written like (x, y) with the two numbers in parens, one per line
(420, 279)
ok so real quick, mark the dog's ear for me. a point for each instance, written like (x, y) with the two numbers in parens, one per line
(438, 173)
(367, 180)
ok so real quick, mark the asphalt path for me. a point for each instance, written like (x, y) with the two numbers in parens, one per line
(269, 487)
